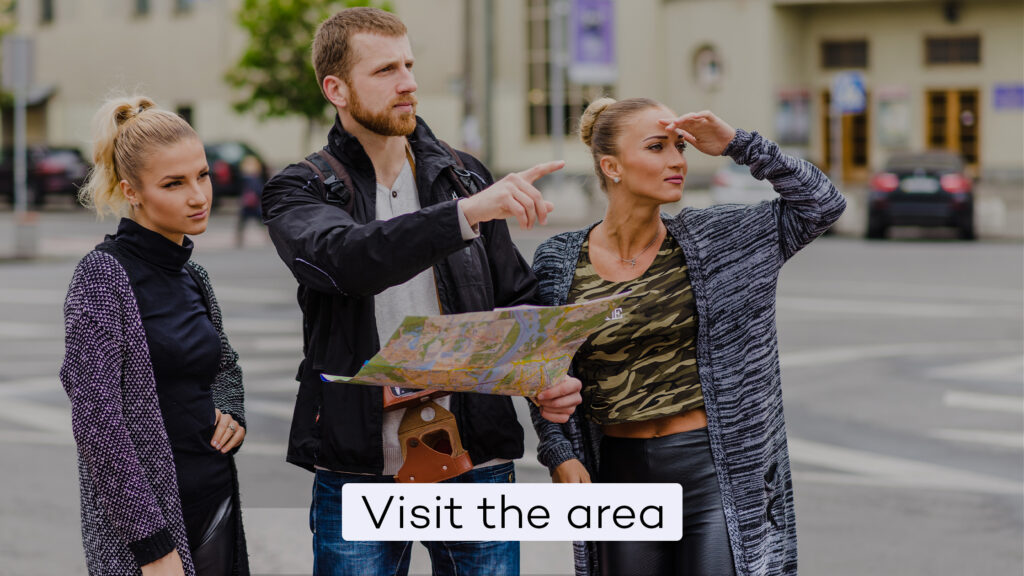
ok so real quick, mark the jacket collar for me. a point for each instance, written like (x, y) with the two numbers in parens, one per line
(430, 156)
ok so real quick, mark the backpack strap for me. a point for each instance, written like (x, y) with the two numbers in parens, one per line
(337, 182)
(455, 155)
(462, 178)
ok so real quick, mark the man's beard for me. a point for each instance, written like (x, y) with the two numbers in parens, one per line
(385, 123)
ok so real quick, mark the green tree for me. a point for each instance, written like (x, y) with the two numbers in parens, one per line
(275, 72)
(8, 22)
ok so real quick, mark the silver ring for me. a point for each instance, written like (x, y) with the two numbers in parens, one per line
(232, 426)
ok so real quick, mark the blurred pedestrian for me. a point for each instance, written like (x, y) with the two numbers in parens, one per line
(155, 388)
(681, 385)
(251, 170)
(394, 223)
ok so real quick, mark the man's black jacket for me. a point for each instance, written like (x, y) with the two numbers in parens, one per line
(342, 260)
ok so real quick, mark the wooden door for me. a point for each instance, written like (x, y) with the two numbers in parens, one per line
(952, 123)
(856, 167)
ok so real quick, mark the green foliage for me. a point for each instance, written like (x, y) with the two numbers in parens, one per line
(8, 16)
(275, 72)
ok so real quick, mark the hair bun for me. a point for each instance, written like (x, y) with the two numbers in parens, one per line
(589, 118)
(131, 108)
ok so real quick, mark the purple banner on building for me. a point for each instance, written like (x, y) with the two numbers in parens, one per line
(592, 42)
(1008, 97)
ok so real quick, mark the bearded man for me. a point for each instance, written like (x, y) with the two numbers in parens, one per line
(421, 232)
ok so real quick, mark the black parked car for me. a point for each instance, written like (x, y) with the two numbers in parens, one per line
(225, 160)
(52, 172)
(922, 189)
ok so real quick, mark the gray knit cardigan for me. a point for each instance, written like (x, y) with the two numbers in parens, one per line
(734, 254)
(129, 488)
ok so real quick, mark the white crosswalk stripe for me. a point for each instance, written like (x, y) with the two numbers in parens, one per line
(1014, 440)
(991, 402)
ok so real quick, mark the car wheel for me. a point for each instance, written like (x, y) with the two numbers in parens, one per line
(36, 197)
(876, 228)
(966, 231)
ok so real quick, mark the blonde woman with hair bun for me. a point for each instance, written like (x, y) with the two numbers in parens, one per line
(681, 384)
(155, 388)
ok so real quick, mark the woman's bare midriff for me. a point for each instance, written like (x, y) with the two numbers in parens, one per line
(659, 427)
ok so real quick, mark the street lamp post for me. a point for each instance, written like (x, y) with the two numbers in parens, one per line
(18, 77)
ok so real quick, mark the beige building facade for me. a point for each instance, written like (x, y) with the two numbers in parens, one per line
(937, 73)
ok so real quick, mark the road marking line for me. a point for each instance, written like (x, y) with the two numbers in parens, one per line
(840, 355)
(36, 415)
(938, 293)
(41, 296)
(27, 330)
(263, 326)
(30, 386)
(262, 366)
(273, 344)
(37, 438)
(55, 425)
(976, 401)
(894, 471)
(891, 308)
(990, 437)
(245, 295)
(278, 539)
(281, 410)
(1009, 369)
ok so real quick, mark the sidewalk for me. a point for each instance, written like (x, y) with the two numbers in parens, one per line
(998, 209)
(68, 232)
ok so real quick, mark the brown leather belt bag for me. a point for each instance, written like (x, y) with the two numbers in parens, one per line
(431, 448)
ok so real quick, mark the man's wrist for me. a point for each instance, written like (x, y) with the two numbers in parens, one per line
(470, 228)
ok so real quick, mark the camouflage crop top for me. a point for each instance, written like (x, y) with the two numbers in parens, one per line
(642, 364)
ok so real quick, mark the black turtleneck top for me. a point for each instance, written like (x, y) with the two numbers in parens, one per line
(185, 351)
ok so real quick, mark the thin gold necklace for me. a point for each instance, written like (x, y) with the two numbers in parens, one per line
(632, 261)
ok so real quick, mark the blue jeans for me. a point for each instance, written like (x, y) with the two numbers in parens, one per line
(334, 556)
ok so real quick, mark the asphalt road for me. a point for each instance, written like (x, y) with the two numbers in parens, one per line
(903, 376)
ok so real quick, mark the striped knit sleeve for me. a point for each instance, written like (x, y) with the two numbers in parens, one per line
(227, 389)
(91, 375)
(809, 202)
(554, 445)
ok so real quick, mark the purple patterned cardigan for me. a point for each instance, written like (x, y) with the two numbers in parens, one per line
(129, 489)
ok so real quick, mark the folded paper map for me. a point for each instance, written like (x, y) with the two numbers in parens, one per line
(512, 351)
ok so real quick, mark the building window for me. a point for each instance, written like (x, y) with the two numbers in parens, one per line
(141, 7)
(962, 50)
(538, 62)
(46, 11)
(844, 54)
(184, 6)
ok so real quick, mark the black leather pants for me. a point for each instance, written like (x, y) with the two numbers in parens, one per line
(683, 458)
(214, 553)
